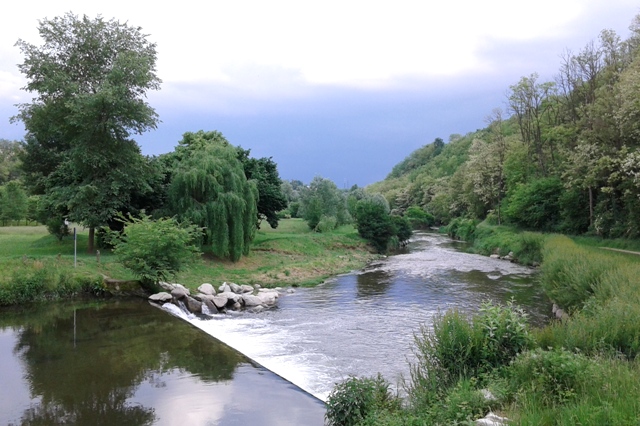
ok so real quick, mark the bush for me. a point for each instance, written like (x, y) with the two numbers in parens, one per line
(374, 223)
(326, 224)
(535, 205)
(551, 377)
(353, 400)
(57, 227)
(460, 347)
(155, 250)
(463, 229)
(418, 218)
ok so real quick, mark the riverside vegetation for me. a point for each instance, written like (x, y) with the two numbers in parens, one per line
(581, 370)
(35, 265)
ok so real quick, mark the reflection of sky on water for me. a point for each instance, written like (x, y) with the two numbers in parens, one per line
(183, 398)
(12, 387)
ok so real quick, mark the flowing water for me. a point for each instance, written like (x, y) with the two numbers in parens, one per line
(364, 323)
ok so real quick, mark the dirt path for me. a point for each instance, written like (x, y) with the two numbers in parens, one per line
(621, 251)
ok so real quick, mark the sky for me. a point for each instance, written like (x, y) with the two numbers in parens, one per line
(339, 89)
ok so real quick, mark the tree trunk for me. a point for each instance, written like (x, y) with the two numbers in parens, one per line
(92, 232)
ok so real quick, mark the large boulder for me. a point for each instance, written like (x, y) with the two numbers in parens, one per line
(220, 301)
(268, 297)
(193, 305)
(207, 288)
(250, 300)
(235, 288)
(246, 289)
(224, 288)
(180, 292)
(166, 286)
(210, 306)
(231, 296)
(161, 297)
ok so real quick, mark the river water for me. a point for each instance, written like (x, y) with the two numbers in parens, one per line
(364, 323)
(128, 363)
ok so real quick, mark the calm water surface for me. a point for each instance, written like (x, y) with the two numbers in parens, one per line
(129, 363)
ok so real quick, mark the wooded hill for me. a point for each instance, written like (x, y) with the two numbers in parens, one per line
(563, 155)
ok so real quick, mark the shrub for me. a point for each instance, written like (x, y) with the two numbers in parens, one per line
(353, 400)
(458, 347)
(374, 223)
(418, 218)
(551, 377)
(155, 250)
(57, 227)
(463, 229)
(326, 224)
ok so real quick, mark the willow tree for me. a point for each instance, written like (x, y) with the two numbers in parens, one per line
(209, 188)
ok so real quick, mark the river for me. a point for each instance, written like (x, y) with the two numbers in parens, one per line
(125, 362)
(363, 323)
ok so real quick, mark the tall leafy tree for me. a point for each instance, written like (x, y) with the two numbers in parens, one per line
(13, 202)
(209, 189)
(264, 171)
(90, 78)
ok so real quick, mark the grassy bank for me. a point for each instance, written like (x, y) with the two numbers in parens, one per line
(34, 264)
(584, 370)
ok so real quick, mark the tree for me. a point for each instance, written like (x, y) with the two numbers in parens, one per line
(155, 250)
(271, 199)
(13, 202)
(209, 188)
(323, 198)
(90, 78)
(9, 160)
(374, 223)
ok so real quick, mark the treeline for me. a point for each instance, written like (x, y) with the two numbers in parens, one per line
(325, 207)
(563, 157)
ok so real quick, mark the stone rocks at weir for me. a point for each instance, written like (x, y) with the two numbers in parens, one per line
(230, 296)
(161, 297)
(207, 288)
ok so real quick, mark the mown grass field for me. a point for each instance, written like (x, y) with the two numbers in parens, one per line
(288, 255)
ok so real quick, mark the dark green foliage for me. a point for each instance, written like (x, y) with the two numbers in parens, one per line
(10, 152)
(418, 158)
(13, 202)
(353, 400)
(463, 229)
(209, 189)
(551, 377)
(56, 227)
(155, 250)
(90, 78)
(323, 198)
(270, 197)
(419, 218)
(461, 347)
(374, 223)
(402, 228)
(535, 205)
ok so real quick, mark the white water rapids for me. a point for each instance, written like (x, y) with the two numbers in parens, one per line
(364, 323)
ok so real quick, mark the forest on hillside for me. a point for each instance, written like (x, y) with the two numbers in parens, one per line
(563, 155)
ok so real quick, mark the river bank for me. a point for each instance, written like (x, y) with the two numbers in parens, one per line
(584, 369)
(35, 266)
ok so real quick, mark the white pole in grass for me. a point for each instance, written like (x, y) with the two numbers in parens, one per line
(75, 244)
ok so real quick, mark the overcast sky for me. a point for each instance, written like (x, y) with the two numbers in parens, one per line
(340, 89)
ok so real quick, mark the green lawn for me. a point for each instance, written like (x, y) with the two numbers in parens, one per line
(288, 255)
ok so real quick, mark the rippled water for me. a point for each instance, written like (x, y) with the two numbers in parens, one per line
(364, 323)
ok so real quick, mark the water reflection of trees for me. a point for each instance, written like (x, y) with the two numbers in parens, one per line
(373, 283)
(89, 379)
